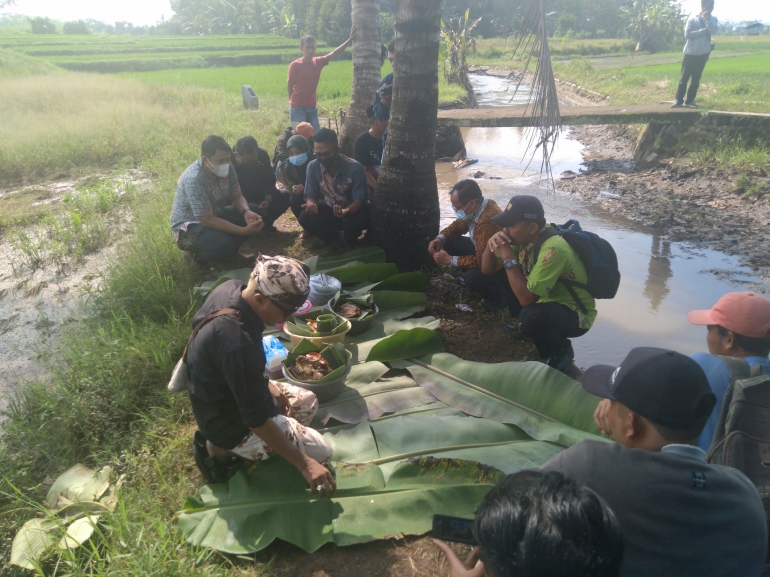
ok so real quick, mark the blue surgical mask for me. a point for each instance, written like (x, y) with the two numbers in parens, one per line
(298, 160)
(462, 216)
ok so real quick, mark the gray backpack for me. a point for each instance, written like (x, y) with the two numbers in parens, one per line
(742, 435)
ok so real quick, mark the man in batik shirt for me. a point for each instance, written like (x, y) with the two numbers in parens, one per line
(204, 226)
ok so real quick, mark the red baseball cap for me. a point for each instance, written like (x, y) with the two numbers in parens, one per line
(746, 314)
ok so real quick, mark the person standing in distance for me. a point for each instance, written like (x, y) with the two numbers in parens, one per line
(304, 74)
(697, 32)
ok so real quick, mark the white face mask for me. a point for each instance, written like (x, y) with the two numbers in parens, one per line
(221, 170)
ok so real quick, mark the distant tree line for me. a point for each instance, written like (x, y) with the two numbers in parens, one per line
(653, 24)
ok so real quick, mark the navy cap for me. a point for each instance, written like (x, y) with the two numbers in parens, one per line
(520, 207)
(665, 387)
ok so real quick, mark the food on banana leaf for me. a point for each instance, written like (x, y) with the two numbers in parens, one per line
(309, 367)
(349, 310)
(312, 324)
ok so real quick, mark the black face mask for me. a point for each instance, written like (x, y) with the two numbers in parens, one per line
(328, 163)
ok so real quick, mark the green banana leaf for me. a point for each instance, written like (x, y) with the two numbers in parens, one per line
(368, 312)
(408, 281)
(391, 466)
(298, 326)
(361, 345)
(368, 255)
(368, 400)
(248, 513)
(416, 342)
(335, 354)
(242, 274)
(364, 273)
(392, 300)
(545, 403)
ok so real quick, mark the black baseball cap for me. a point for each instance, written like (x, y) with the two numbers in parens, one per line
(520, 207)
(370, 112)
(665, 387)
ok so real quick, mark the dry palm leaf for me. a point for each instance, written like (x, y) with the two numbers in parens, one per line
(543, 104)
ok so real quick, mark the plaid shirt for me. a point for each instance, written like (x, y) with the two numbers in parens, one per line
(200, 192)
(347, 187)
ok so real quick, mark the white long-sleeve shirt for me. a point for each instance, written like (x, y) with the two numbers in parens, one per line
(698, 32)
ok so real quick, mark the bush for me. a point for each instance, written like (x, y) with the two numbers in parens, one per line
(76, 27)
(42, 26)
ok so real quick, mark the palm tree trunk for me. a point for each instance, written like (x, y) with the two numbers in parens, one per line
(405, 207)
(366, 69)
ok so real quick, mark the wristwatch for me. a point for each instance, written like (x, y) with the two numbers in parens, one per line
(510, 263)
(245, 210)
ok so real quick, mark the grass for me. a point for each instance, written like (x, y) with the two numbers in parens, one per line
(737, 82)
(104, 399)
(84, 228)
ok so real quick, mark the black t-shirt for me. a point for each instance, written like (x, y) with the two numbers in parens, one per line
(256, 180)
(368, 151)
(226, 365)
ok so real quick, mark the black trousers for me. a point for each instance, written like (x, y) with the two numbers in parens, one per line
(692, 70)
(326, 226)
(295, 203)
(473, 279)
(549, 325)
(281, 201)
(208, 244)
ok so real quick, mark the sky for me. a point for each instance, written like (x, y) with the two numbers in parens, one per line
(141, 12)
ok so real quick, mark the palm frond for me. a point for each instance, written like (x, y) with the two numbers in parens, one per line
(530, 44)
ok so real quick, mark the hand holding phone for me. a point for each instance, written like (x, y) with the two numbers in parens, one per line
(455, 529)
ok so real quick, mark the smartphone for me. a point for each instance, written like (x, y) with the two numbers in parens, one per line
(454, 529)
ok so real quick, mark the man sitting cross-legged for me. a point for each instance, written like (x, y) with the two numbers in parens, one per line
(239, 413)
(549, 314)
(210, 218)
(342, 183)
(474, 217)
(679, 514)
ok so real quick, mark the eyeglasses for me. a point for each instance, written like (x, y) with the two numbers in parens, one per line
(324, 155)
(286, 312)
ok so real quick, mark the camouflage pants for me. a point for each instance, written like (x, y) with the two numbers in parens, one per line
(304, 405)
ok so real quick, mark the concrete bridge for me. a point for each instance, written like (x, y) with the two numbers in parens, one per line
(518, 116)
(667, 131)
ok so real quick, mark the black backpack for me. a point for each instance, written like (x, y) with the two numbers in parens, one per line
(597, 256)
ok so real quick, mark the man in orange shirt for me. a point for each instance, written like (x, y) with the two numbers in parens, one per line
(304, 74)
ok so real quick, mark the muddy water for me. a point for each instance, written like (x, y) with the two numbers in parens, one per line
(661, 281)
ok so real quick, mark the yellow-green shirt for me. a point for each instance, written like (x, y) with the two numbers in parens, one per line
(557, 259)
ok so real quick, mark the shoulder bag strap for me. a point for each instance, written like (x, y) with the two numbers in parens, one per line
(212, 316)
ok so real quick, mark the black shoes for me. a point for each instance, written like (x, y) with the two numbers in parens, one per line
(677, 104)
(212, 469)
(690, 104)
(562, 360)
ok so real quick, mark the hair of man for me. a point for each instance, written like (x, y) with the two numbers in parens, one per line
(246, 145)
(383, 52)
(536, 523)
(759, 346)
(467, 190)
(392, 46)
(306, 39)
(669, 434)
(326, 136)
(212, 144)
(707, 4)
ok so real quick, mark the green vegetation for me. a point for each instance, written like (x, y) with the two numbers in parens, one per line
(734, 78)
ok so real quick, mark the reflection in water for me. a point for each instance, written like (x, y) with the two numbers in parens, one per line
(656, 287)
